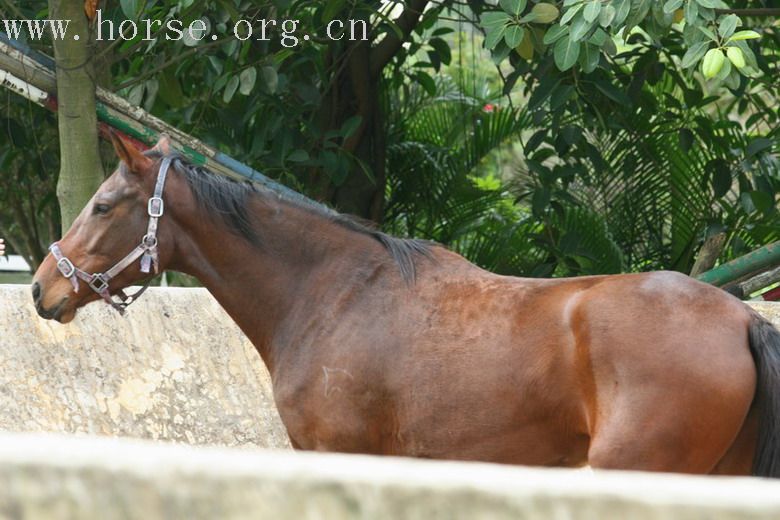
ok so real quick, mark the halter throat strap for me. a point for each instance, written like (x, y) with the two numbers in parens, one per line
(146, 251)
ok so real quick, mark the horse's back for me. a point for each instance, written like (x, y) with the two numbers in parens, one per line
(642, 371)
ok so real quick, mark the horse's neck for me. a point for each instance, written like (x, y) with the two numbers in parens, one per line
(259, 287)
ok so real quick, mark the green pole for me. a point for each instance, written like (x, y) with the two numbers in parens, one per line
(759, 259)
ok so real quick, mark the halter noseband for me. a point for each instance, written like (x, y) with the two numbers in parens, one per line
(147, 250)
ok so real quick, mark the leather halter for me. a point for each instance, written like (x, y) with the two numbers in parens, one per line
(146, 250)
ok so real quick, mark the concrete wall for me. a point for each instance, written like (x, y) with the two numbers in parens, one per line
(106, 479)
(175, 368)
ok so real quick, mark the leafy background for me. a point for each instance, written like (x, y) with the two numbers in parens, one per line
(535, 138)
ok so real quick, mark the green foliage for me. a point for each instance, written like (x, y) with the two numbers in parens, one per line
(29, 219)
(629, 160)
(587, 30)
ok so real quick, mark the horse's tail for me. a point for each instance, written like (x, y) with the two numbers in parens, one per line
(765, 347)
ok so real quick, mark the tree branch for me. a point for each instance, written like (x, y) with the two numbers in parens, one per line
(765, 12)
(387, 48)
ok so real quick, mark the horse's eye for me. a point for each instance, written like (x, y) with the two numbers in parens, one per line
(101, 209)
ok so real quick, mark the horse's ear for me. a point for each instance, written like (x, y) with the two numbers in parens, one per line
(163, 144)
(129, 154)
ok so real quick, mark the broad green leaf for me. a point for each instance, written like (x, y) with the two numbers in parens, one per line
(350, 125)
(761, 200)
(733, 80)
(592, 10)
(599, 37)
(672, 6)
(530, 17)
(607, 16)
(298, 155)
(736, 57)
(427, 82)
(711, 4)
(728, 24)
(747, 52)
(500, 52)
(540, 201)
(495, 26)
(492, 38)
(230, 89)
(526, 47)
(724, 73)
(566, 53)
(691, 12)
(744, 35)
(248, 78)
(332, 9)
(622, 8)
(560, 95)
(579, 28)
(694, 54)
(589, 58)
(721, 177)
(129, 8)
(514, 7)
(545, 13)
(554, 33)
(494, 19)
(712, 63)
(442, 48)
(612, 92)
(570, 13)
(707, 14)
(513, 36)
(270, 79)
(686, 138)
(136, 94)
(757, 146)
(709, 34)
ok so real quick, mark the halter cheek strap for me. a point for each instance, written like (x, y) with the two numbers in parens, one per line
(146, 250)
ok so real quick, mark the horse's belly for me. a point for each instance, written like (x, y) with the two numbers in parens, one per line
(534, 445)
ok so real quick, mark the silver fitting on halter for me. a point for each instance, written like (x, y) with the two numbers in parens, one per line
(66, 267)
(155, 207)
(146, 250)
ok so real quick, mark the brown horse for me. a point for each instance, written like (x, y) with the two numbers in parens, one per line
(389, 346)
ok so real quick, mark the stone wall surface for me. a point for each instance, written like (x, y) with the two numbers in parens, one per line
(174, 368)
(46, 476)
(177, 369)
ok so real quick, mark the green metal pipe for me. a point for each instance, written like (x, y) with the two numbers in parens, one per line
(141, 132)
(758, 260)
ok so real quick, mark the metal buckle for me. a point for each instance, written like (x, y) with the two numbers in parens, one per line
(66, 267)
(155, 207)
(149, 241)
(98, 277)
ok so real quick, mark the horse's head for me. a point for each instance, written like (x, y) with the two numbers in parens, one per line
(108, 247)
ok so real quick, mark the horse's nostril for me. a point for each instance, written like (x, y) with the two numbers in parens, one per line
(36, 292)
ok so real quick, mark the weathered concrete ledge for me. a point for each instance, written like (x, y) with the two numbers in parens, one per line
(46, 476)
(175, 368)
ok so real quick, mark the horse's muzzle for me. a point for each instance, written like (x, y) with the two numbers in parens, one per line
(49, 314)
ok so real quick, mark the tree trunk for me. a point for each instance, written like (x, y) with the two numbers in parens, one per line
(356, 90)
(81, 171)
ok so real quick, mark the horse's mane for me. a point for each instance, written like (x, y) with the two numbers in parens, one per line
(227, 199)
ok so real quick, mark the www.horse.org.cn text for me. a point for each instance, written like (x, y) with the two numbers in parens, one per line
(288, 32)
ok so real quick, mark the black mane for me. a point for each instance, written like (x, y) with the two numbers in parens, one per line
(227, 200)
